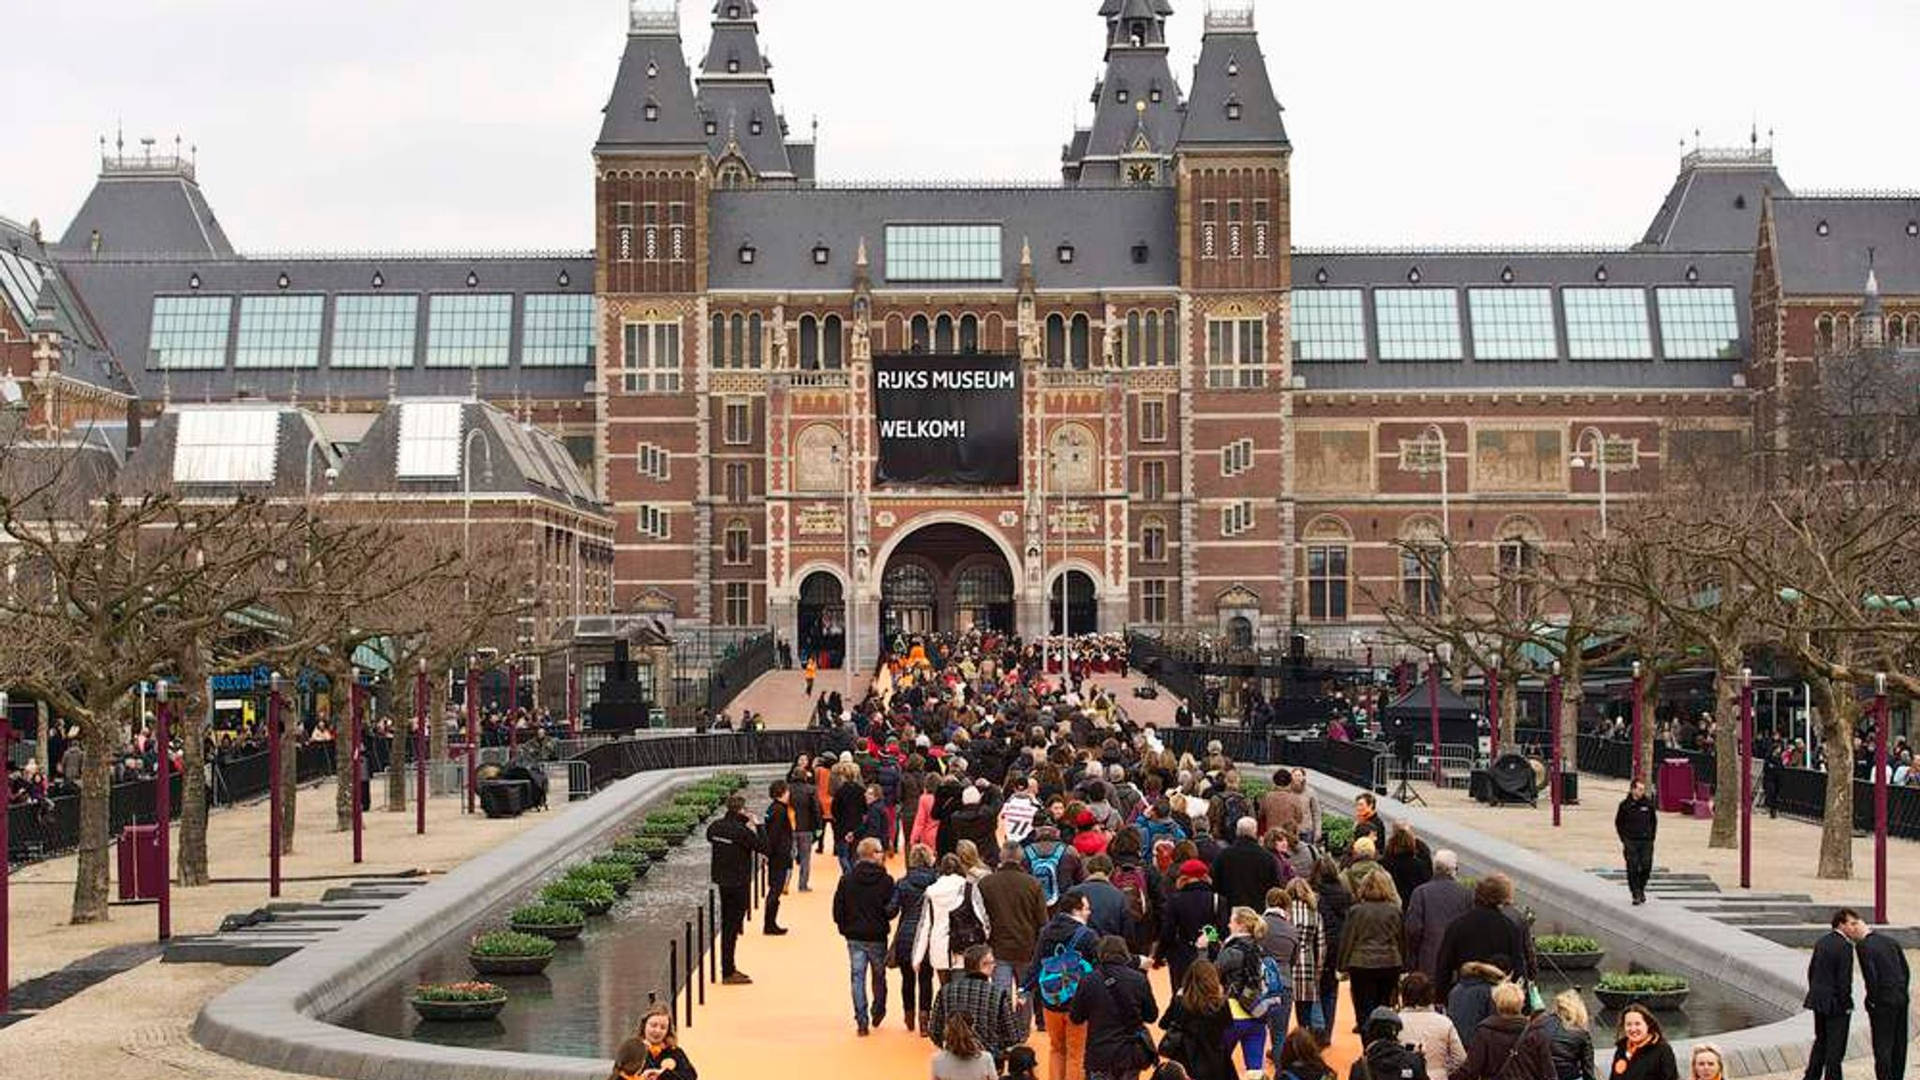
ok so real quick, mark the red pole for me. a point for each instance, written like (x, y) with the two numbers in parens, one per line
(359, 762)
(420, 749)
(1553, 741)
(1880, 799)
(274, 794)
(1636, 722)
(6, 739)
(1746, 778)
(163, 808)
(513, 707)
(473, 735)
(1433, 716)
(1493, 709)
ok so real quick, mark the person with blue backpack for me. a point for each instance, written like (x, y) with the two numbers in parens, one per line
(1053, 863)
(1255, 983)
(1065, 954)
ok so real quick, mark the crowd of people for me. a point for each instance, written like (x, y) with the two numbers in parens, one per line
(1017, 855)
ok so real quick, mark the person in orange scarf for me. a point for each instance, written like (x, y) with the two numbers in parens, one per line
(1642, 1053)
(654, 1053)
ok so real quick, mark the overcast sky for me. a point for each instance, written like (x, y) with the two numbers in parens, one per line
(467, 124)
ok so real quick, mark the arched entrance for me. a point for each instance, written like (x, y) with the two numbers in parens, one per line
(945, 577)
(1082, 609)
(822, 630)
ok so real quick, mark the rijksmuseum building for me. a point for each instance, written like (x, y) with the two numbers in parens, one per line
(1125, 399)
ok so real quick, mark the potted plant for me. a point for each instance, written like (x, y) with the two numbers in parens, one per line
(617, 876)
(653, 847)
(556, 921)
(510, 952)
(631, 858)
(1656, 990)
(1570, 952)
(591, 897)
(458, 1001)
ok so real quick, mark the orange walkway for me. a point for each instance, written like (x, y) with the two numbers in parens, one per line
(800, 1010)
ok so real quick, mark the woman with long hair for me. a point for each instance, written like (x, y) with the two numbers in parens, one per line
(1303, 906)
(962, 1058)
(1240, 969)
(1196, 1024)
(909, 896)
(1407, 860)
(1567, 1026)
(654, 1052)
(1335, 902)
(1642, 1052)
(1300, 1058)
(1373, 947)
(972, 867)
(931, 937)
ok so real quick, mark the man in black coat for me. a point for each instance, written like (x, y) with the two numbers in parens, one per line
(1884, 966)
(1636, 822)
(777, 834)
(808, 818)
(1244, 871)
(734, 841)
(1116, 1003)
(1483, 935)
(862, 908)
(1830, 996)
(849, 813)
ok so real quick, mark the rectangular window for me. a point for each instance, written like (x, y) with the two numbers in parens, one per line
(943, 253)
(225, 446)
(1153, 601)
(1419, 584)
(279, 332)
(1236, 354)
(1153, 480)
(653, 461)
(189, 333)
(556, 331)
(739, 603)
(430, 440)
(1698, 324)
(734, 486)
(1153, 419)
(1153, 541)
(1512, 324)
(1209, 229)
(1327, 582)
(677, 232)
(1607, 324)
(1329, 324)
(374, 331)
(469, 331)
(650, 236)
(1236, 518)
(1234, 248)
(739, 423)
(654, 523)
(623, 231)
(1519, 561)
(1236, 457)
(739, 546)
(1261, 228)
(650, 358)
(1418, 324)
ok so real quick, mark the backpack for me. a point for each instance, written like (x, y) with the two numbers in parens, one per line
(964, 928)
(1393, 1060)
(1060, 975)
(1259, 986)
(1131, 880)
(1046, 870)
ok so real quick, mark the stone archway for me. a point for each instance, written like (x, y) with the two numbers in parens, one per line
(943, 576)
(820, 629)
(1082, 605)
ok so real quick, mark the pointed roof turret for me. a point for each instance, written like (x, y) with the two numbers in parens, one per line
(1873, 317)
(735, 94)
(652, 110)
(1233, 103)
(1136, 94)
(145, 203)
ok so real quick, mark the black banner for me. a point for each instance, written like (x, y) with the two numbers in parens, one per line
(949, 420)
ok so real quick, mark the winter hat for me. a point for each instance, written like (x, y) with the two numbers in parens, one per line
(1193, 868)
(970, 797)
(1382, 1023)
(1084, 818)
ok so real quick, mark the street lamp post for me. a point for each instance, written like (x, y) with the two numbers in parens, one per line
(1446, 516)
(274, 792)
(306, 474)
(1493, 711)
(573, 700)
(1880, 797)
(1553, 741)
(1635, 771)
(356, 719)
(473, 733)
(1433, 718)
(1599, 466)
(1746, 778)
(420, 748)
(162, 802)
(513, 706)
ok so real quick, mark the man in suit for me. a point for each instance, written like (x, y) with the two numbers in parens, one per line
(1830, 996)
(1884, 966)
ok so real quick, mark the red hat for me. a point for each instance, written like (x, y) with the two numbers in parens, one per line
(1193, 868)
(1084, 818)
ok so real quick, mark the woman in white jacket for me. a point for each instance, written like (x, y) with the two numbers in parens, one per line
(932, 939)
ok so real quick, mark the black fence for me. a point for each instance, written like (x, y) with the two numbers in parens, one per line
(618, 760)
(39, 830)
(1349, 761)
(730, 668)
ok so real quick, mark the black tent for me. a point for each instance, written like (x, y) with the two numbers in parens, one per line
(1412, 712)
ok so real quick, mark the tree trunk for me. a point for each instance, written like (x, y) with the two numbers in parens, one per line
(290, 727)
(345, 789)
(1836, 707)
(96, 800)
(397, 761)
(437, 727)
(1649, 721)
(42, 737)
(191, 725)
(1568, 728)
(1727, 762)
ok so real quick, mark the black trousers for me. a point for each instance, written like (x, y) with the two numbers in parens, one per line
(1370, 987)
(1889, 1024)
(1829, 1050)
(733, 919)
(1639, 855)
(776, 884)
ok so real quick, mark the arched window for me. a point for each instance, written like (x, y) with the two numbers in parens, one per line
(1823, 333)
(717, 343)
(1074, 454)
(1421, 553)
(1133, 339)
(1329, 556)
(1056, 341)
(809, 343)
(1153, 338)
(739, 546)
(737, 343)
(969, 334)
(1896, 331)
(1081, 354)
(1913, 328)
(1843, 332)
(920, 334)
(1170, 327)
(943, 334)
(1153, 540)
(896, 338)
(993, 334)
(754, 340)
(830, 342)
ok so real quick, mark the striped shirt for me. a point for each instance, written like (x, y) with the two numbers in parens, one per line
(1306, 959)
(1017, 817)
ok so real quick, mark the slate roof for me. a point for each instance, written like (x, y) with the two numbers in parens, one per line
(120, 294)
(1103, 225)
(521, 460)
(1835, 263)
(1115, 122)
(626, 130)
(1206, 109)
(150, 467)
(801, 156)
(64, 475)
(732, 100)
(1714, 204)
(154, 213)
(37, 294)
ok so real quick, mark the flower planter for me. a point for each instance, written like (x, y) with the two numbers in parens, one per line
(458, 1010)
(1657, 1000)
(556, 931)
(509, 965)
(1575, 961)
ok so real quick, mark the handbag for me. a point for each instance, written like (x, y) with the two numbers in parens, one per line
(1535, 1003)
(1317, 1016)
